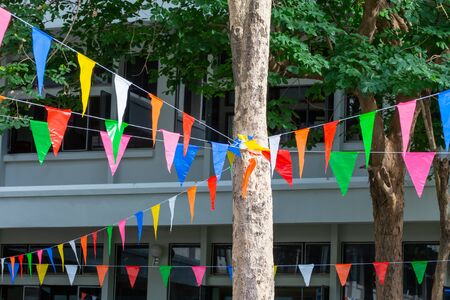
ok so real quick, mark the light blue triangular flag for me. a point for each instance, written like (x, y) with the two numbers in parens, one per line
(41, 46)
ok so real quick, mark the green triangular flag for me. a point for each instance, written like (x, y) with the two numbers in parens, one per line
(342, 165)
(112, 127)
(41, 136)
(419, 268)
(165, 273)
(109, 230)
(30, 263)
(366, 121)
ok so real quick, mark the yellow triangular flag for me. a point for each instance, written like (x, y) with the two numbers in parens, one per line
(253, 145)
(230, 156)
(61, 254)
(242, 137)
(86, 67)
(275, 269)
(41, 270)
(155, 214)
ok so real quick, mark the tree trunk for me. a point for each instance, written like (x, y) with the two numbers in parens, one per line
(252, 216)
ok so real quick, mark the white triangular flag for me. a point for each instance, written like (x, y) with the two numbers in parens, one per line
(172, 210)
(306, 271)
(3, 266)
(74, 249)
(94, 297)
(122, 85)
(274, 144)
(71, 271)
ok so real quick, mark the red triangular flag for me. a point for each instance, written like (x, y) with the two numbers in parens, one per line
(188, 121)
(212, 185)
(199, 272)
(83, 241)
(343, 270)
(57, 120)
(329, 130)
(380, 270)
(133, 272)
(101, 273)
(21, 263)
(283, 165)
(83, 295)
(94, 241)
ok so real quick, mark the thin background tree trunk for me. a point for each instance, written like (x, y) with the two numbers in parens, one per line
(252, 216)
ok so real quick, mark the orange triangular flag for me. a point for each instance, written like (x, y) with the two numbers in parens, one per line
(301, 136)
(248, 172)
(2, 98)
(12, 259)
(188, 121)
(83, 241)
(343, 270)
(191, 192)
(212, 185)
(133, 272)
(329, 130)
(157, 104)
(380, 270)
(101, 273)
(57, 120)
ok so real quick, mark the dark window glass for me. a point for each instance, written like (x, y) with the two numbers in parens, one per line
(138, 112)
(90, 293)
(133, 255)
(142, 73)
(352, 128)
(183, 285)
(12, 292)
(222, 258)
(281, 293)
(318, 254)
(419, 251)
(50, 293)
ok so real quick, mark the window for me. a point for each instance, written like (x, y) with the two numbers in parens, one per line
(49, 293)
(281, 293)
(90, 292)
(352, 128)
(183, 285)
(318, 254)
(133, 255)
(287, 254)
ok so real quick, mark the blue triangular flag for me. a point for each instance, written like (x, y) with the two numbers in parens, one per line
(235, 147)
(230, 272)
(183, 163)
(50, 256)
(41, 46)
(16, 268)
(219, 154)
(444, 106)
(139, 217)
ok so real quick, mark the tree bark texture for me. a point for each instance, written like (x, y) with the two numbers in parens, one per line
(252, 216)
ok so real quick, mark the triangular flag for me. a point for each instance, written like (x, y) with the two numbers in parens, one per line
(13, 269)
(61, 254)
(183, 163)
(155, 213)
(74, 249)
(39, 255)
(342, 164)
(212, 186)
(230, 272)
(101, 273)
(113, 165)
(191, 193)
(122, 231)
(419, 268)
(418, 165)
(115, 134)
(21, 264)
(219, 152)
(30, 263)
(3, 266)
(301, 137)
(41, 136)
(444, 107)
(109, 231)
(157, 104)
(12, 259)
(42, 271)
(188, 121)
(139, 220)
(170, 146)
(50, 256)
(329, 130)
(83, 295)
(230, 156)
(306, 271)
(275, 269)
(235, 147)
(132, 272)
(165, 274)
(5, 18)
(172, 210)
(199, 272)
(406, 113)
(86, 67)
(121, 86)
(367, 121)
(284, 165)
(380, 270)
(94, 242)
(83, 242)
(71, 271)
(252, 144)
(251, 166)
(41, 46)
(274, 144)
(343, 270)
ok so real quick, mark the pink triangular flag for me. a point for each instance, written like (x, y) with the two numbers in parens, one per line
(199, 272)
(5, 18)
(121, 226)
(39, 255)
(418, 165)
(107, 144)
(406, 113)
(133, 272)
(170, 146)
